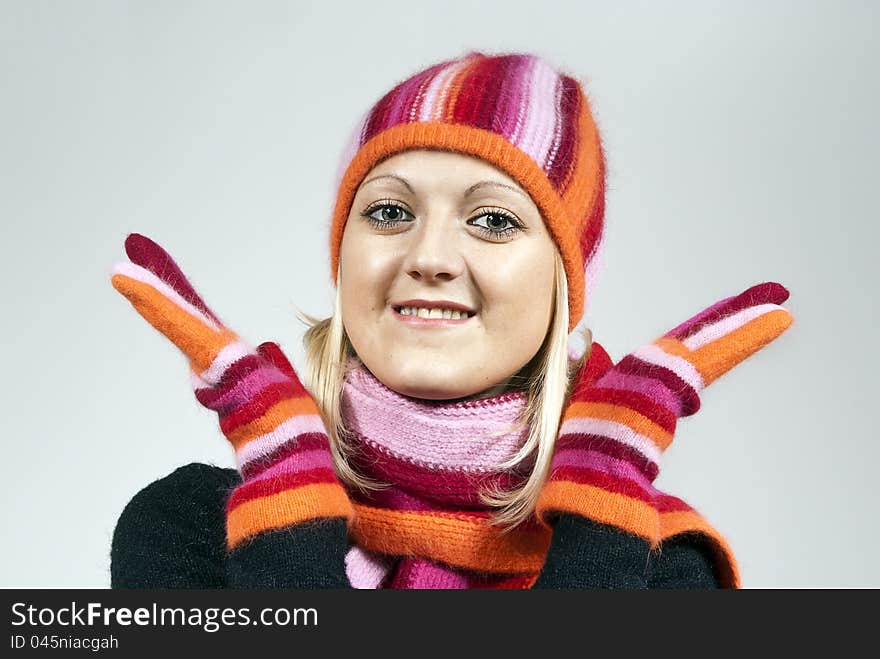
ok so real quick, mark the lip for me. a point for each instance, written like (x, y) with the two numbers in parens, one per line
(432, 304)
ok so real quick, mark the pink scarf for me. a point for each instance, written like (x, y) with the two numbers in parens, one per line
(436, 455)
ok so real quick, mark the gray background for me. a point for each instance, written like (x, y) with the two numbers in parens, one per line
(741, 139)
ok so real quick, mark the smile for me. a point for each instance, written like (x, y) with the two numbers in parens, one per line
(432, 317)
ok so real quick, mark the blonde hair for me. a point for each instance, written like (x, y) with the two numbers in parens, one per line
(546, 379)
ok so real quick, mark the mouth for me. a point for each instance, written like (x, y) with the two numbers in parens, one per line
(432, 316)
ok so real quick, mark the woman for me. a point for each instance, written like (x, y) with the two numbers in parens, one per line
(427, 450)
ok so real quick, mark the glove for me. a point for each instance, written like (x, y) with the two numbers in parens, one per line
(280, 442)
(620, 418)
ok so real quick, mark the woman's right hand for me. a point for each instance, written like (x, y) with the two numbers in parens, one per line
(280, 442)
(621, 417)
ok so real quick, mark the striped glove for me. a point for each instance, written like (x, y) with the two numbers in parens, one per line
(621, 417)
(280, 442)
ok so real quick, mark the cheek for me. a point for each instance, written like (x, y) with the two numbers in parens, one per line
(518, 295)
(365, 277)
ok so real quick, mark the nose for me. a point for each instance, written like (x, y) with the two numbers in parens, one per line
(434, 253)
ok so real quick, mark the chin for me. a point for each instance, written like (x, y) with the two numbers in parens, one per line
(429, 390)
(430, 386)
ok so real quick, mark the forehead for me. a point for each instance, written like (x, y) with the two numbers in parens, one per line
(426, 167)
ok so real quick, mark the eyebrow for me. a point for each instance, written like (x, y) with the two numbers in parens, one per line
(467, 193)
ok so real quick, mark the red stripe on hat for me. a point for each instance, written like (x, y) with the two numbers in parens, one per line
(570, 107)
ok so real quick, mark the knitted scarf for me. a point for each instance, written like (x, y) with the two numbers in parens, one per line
(428, 529)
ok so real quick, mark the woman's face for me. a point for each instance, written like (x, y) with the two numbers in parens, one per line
(430, 232)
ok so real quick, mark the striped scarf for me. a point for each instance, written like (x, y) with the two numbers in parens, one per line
(428, 528)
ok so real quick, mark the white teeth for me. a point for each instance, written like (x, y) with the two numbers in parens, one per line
(436, 312)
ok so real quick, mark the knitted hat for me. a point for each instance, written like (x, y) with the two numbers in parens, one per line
(516, 112)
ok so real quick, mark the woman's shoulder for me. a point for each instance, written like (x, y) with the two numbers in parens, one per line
(190, 491)
(172, 533)
(196, 478)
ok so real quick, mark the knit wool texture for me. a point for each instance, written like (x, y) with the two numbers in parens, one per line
(518, 113)
(602, 469)
(429, 529)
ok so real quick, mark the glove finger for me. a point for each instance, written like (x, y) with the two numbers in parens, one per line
(272, 351)
(266, 397)
(288, 404)
(616, 391)
(597, 363)
(261, 401)
(198, 336)
(724, 335)
(719, 348)
(263, 408)
(244, 378)
(148, 254)
(760, 294)
(605, 403)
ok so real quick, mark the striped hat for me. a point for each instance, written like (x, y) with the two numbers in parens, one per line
(516, 112)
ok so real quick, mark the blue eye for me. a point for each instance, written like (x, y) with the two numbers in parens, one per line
(389, 213)
(499, 224)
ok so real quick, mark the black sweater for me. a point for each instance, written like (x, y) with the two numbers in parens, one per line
(172, 534)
